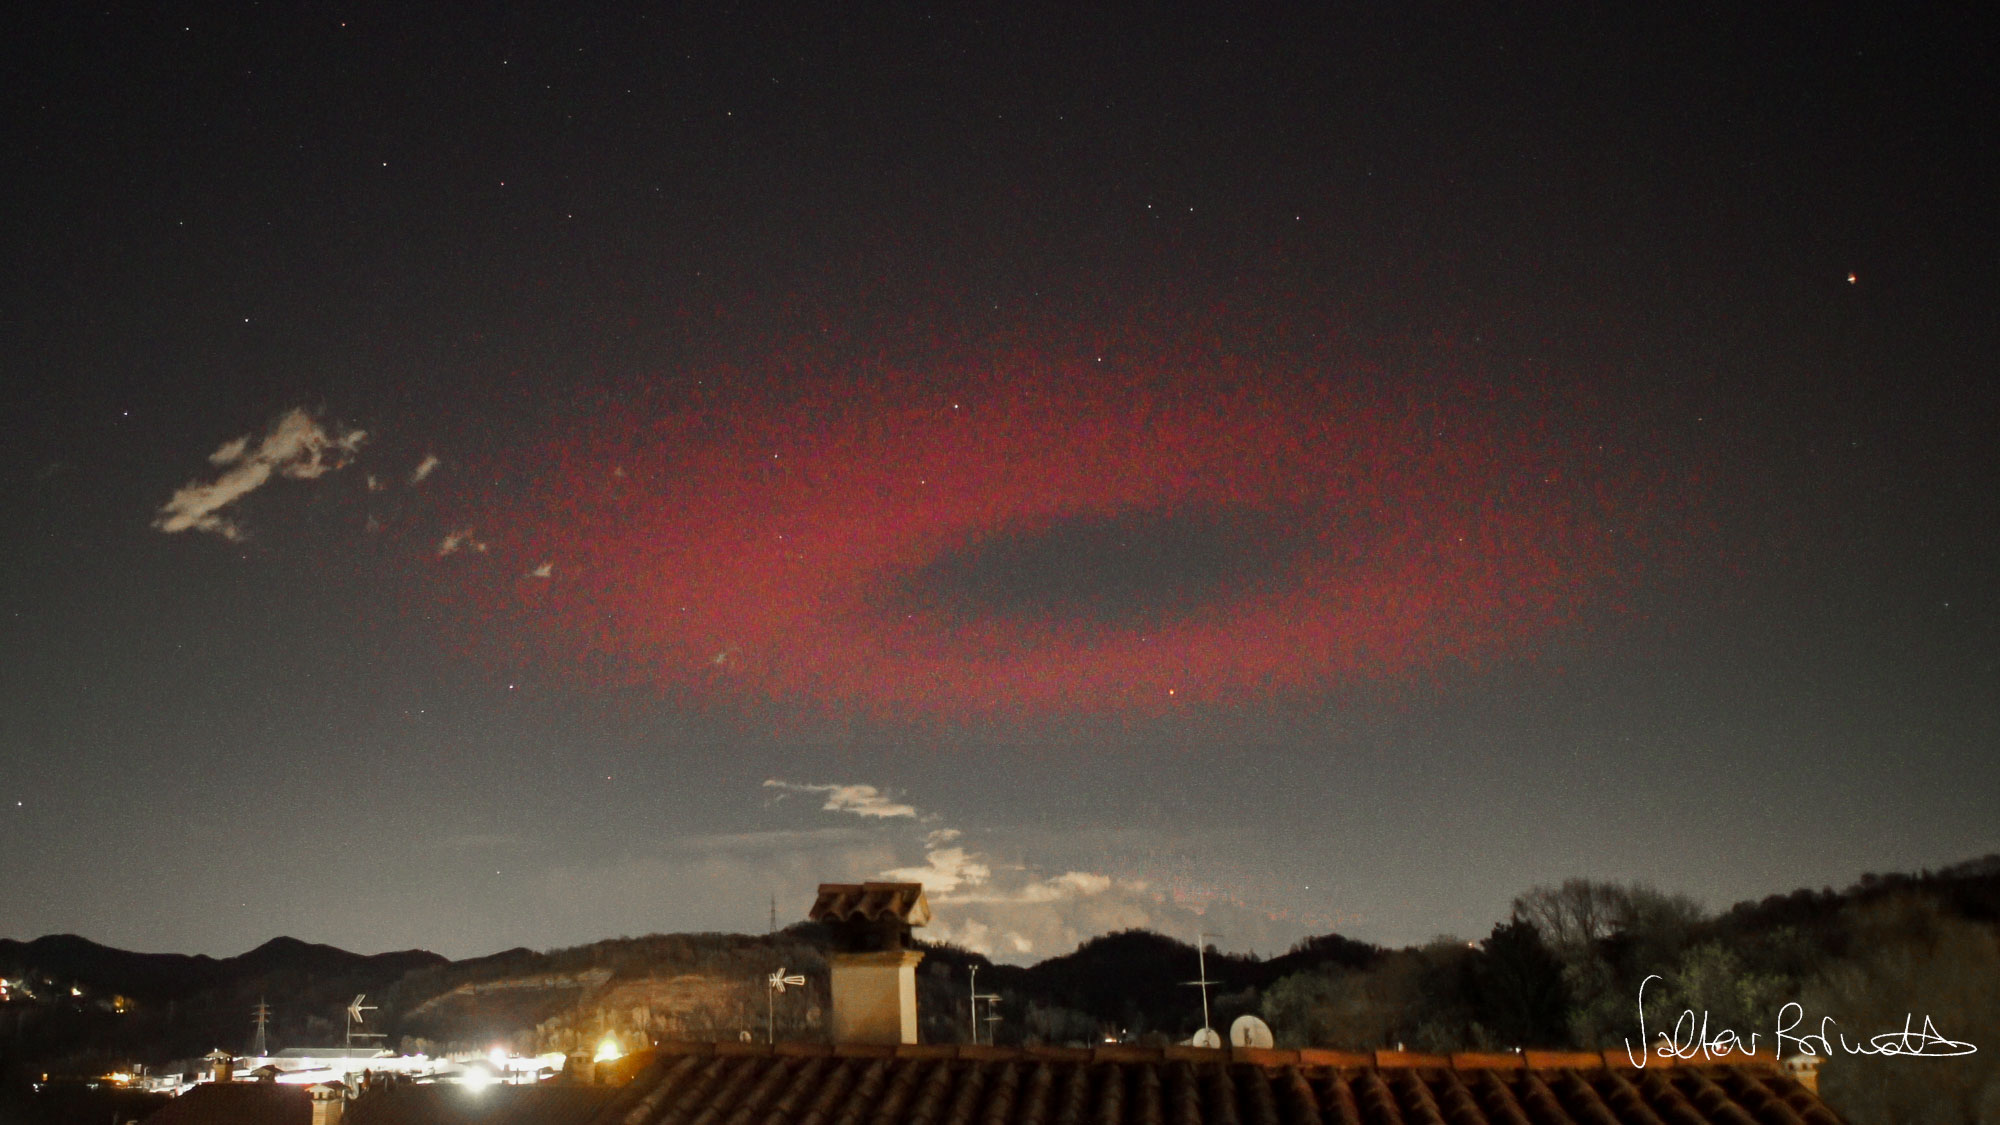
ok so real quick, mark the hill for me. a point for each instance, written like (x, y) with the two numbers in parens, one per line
(78, 1006)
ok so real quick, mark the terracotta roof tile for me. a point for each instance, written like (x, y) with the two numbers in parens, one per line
(1497, 1099)
(845, 902)
(1487, 1060)
(1394, 1059)
(1318, 1056)
(734, 1084)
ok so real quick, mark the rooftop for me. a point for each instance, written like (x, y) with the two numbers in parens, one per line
(746, 1084)
(237, 1103)
(263, 1103)
(871, 902)
(544, 1104)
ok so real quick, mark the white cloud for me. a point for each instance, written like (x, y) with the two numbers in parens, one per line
(861, 800)
(231, 451)
(944, 871)
(1068, 885)
(425, 468)
(461, 539)
(296, 446)
(1003, 911)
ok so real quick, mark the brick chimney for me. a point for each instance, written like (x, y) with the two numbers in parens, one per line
(874, 971)
(1803, 1069)
(329, 1102)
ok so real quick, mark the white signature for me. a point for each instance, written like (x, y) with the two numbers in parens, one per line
(1691, 1037)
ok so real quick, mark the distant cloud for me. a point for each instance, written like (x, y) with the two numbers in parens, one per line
(1068, 885)
(944, 871)
(296, 447)
(861, 800)
(231, 451)
(461, 539)
(425, 468)
(773, 840)
(1013, 911)
(997, 910)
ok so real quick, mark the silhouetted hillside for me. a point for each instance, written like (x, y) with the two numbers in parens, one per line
(80, 1004)
(77, 1004)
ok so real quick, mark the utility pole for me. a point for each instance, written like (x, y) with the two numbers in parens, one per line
(262, 1014)
(1201, 959)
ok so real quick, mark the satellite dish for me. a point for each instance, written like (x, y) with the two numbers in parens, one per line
(1206, 1037)
(1249, 1031)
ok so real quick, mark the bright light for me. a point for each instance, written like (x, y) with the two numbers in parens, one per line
(476, 1078)
(607, 1050)
(499, 1057)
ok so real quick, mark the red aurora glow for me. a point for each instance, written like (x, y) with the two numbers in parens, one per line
(892, 547)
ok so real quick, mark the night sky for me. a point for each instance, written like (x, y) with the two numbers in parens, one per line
(535, 477)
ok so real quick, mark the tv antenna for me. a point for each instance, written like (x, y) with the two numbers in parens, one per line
(1206, 1037)
(992, 1017)
(774, 984)
(354, 1019)
(991, 999)
(262, 1014)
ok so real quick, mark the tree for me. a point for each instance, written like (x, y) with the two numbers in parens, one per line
(1516, 989)
(1573, 917)
(1913, 961)
(1609, 937)
(1715, 981)
(1411, 998)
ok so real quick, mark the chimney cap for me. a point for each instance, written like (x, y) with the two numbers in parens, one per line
(872, 902)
